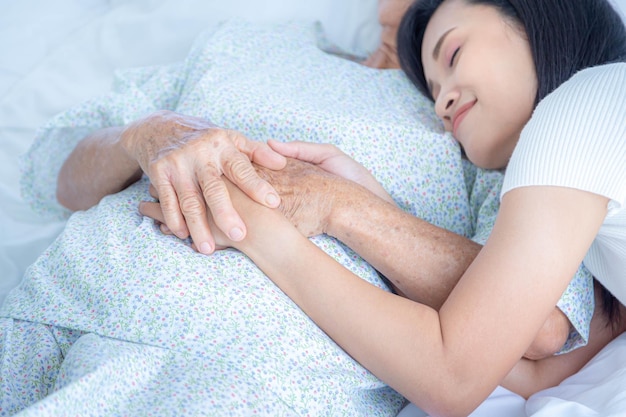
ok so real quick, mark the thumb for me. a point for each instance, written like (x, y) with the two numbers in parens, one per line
(262, 154)
(269, 158)
(315, 153)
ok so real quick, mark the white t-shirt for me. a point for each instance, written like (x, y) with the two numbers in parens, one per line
(576, 138)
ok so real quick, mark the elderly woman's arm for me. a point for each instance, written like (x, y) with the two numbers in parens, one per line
(422, 261)
(98, 166)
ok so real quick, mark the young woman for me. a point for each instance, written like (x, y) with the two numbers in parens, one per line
(537, 87)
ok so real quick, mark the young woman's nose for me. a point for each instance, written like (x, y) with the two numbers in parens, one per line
(445, 105)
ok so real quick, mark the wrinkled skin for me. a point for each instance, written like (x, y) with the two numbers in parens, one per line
(307, 193)
(308, 189)
(185, 158)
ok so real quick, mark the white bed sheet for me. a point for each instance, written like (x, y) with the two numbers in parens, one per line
(54, 55)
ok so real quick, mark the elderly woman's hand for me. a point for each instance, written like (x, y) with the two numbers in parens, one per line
(185, 158)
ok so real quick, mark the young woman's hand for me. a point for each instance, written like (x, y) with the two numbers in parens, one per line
(185, 158)
(331, 159)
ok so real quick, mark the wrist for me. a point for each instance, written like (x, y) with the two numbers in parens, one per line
(346, 208)
(126, 149)
(265, 228)
(126, 140)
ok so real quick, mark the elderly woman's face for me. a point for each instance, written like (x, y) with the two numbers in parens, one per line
(390, 14)
(481, 74)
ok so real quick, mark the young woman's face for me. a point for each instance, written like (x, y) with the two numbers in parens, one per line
(481, 75)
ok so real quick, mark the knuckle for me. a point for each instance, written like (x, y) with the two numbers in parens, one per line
(159, 166)
(240, 170)
(215, 136)
(233, 136)
(216, 195)
(211, 189)
(191, 204)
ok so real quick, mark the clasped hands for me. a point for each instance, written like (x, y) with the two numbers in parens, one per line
(196, 169)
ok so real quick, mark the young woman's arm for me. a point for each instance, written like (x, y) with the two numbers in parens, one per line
(423, 262)
(446, 362)
(528, 376)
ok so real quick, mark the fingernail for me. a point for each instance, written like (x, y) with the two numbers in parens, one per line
(272, 200)
(205, 248)
(236, 234)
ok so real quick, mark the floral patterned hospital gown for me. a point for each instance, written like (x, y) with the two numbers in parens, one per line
(116, 318)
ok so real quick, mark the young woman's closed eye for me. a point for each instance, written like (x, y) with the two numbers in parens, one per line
(454, 56)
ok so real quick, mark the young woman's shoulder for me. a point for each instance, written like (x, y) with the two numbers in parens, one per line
(576, 136)
(602, 83)
(593, 98)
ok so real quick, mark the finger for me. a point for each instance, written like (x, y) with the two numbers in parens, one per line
(153, 192)
(258, 152)
(217, 247)
(184, 210)
(193, 208)
(172, 215)
(152, 210)
(315, 153)
(165, 230)
(218, 200)
(238, 169)
(241, 172)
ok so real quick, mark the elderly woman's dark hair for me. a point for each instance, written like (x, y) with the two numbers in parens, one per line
(565, 36)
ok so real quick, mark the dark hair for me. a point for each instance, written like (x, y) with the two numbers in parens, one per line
(565, 36)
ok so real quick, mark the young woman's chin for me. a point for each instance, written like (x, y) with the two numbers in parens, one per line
(484, 160)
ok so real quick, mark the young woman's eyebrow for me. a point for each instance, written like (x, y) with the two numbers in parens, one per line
(437, 48)
(436, 52)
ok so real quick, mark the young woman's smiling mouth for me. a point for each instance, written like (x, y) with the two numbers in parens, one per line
(460, 115)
